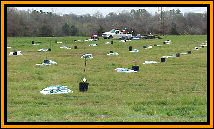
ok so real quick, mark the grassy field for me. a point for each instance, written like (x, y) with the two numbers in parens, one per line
(175, 91)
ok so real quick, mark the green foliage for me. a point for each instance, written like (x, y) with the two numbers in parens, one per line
(46, 31)
(69, 30)
(73, 30)
(66, 29)
(100, 30)
(175, 91)
(174, 29)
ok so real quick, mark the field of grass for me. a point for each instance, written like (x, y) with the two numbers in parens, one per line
(175, 91)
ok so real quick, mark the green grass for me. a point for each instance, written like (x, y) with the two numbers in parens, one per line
(175, 91)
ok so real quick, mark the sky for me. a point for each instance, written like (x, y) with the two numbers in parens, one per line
(107, 10)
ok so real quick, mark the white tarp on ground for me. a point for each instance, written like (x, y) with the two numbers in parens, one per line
(173, 56)
(148, 47)
(8, 47)
(203, 44)
(16, 53)
(58, 89)
(150, 62)
(112, 54)
(123, 41)
(196, 48)
(47, 63)
(89, 40)
(78, 40)
(43, 50)
(93, 45)
(157, 45)
(125, 70)
(134, 50)
(167, 42)
(35, 44)
(87, 56)
(59, 42)
(184, 53)
(65, 47)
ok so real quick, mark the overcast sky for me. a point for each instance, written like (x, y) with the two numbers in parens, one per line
(106, 10)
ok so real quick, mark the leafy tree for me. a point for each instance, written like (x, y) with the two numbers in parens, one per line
(73, 30)
(66, 29)
(46, 30)
(174, 29)
(100, 30)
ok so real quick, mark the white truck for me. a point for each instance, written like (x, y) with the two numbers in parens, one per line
(116, 34)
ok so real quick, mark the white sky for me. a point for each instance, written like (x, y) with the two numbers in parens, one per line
(106, 10)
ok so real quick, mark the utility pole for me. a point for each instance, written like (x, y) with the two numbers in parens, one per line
(161, 20)
(85, 62)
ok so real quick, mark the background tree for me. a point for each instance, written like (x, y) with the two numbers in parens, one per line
(66, 29)
(100, 30)
(40, 23)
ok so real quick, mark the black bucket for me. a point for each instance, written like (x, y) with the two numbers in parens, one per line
(75, 47)
(14, 53)
(49, 49)
(83, 86)
(159, 37)
(130, 48)
(111, 52)
(178, 55)
(163, 59)
(32, 42)
(135, 68)
(155, 44)
(111, 42)
(189, 52)
(46, 61)
(144, 46)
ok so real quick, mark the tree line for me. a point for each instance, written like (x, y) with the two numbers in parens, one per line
(40, 23)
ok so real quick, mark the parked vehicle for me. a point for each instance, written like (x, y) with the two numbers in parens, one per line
(137, 37)
(117, 34)
(151, 36)
(94, 37)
